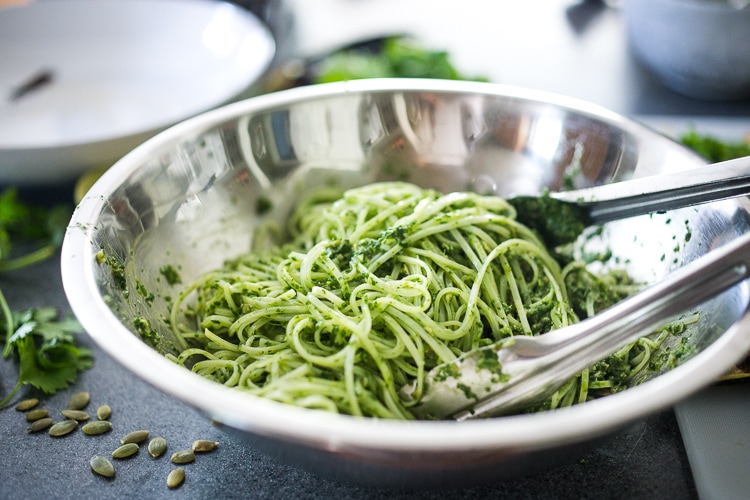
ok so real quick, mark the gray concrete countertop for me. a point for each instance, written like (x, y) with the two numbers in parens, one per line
(646, 460)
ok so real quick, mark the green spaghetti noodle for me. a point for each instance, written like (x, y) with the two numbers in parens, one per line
(379, 286)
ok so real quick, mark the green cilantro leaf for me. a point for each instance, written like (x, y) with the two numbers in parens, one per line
(43, 345)
(48, 358)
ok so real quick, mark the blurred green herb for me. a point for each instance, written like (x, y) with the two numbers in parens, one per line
(714, 149)
(43, 346)
(400, 58)
(47, 356)
(22, 222)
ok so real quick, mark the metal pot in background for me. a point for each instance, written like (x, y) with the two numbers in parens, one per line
(698, 48)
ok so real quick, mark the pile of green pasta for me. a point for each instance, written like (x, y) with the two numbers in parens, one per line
(377, 287)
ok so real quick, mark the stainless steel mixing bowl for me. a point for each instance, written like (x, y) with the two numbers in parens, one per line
(189, 198)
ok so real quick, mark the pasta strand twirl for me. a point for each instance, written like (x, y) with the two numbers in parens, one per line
(373, 290)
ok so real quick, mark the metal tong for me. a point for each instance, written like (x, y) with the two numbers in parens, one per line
(561, 217)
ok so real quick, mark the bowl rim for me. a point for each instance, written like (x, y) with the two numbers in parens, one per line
(338, 432)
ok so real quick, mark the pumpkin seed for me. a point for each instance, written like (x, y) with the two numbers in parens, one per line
(176, 477)
(103, 412)
(102, 466)
(79, 415)
(63, 427)
(204, 445)
(183, 457)
(134, 437)
(40, 425)
(157, 447)
(79, 401)
(125, 450)
(27, 404)
(96, 427)
(36, 414)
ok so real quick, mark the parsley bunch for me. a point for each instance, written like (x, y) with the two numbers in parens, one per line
(400, 57)
(714, 149)
(44, 346)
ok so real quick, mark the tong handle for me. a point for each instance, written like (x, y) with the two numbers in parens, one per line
(643, 195)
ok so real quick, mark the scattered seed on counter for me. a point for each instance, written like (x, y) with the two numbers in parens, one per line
(157, 447)
(103, 412)
(37, 414)
(183, 457)
(102, 466)
(79, 401)
(79, 415)
(125, 451)
(204, 445)
(41, 424)
(63, 428)
(134, 437)
(27, 404)
(176, 478)
(75, 415)
(96, 427)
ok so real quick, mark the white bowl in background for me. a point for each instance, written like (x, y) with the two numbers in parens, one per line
(117, 73)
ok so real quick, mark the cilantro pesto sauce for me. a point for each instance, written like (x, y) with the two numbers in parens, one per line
(557, 223)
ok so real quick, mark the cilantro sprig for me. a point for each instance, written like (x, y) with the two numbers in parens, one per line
(47, 355)
(43, 345)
